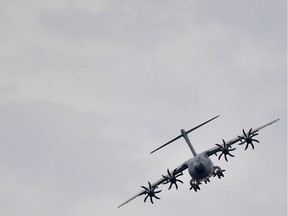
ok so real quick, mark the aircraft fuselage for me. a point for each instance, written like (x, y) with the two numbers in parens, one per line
(200, 167)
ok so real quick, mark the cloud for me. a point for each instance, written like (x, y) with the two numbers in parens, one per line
(89, 88)
(47, 151)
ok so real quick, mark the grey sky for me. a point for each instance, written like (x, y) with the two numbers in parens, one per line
(89, 88)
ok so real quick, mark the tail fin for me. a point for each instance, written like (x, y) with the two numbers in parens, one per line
(182, 135)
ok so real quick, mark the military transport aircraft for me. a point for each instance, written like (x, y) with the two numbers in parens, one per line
(200, 166)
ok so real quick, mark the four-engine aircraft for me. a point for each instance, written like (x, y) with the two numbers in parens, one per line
(200, 166)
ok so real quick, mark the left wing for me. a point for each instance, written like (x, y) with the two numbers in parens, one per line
(176, 171)
(228, 144)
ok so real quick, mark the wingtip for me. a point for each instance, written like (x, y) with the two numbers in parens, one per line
(278, 119)
(153, 151)
(119, 206)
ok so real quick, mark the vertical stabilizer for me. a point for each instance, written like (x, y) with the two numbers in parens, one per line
(185, 136)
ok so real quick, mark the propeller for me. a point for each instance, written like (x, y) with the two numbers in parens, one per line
(150, 192)
(218, 172)
(226, 149)
(172, 178)
(248, 138)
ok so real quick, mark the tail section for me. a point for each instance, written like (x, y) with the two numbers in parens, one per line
(184, 134)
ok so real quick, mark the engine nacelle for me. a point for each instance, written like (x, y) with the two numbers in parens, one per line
(217, 171)
(194, 184)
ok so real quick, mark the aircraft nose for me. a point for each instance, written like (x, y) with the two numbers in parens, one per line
(200, 168)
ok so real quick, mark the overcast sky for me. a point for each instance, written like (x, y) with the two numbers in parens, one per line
(88, 88)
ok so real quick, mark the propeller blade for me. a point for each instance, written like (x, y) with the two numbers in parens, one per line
(248, 138)
(151, 200)
(254, 140)
(171, 178)
(225, 150)
(157, 197)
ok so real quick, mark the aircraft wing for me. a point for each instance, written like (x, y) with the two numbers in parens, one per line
(179, 169)
(237, 139)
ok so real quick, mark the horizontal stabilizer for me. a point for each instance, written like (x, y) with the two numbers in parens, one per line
(186, 133)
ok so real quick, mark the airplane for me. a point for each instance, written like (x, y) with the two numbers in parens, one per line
(200, 166)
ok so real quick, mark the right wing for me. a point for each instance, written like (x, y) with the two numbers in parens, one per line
(179, 169)
(237, 139)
